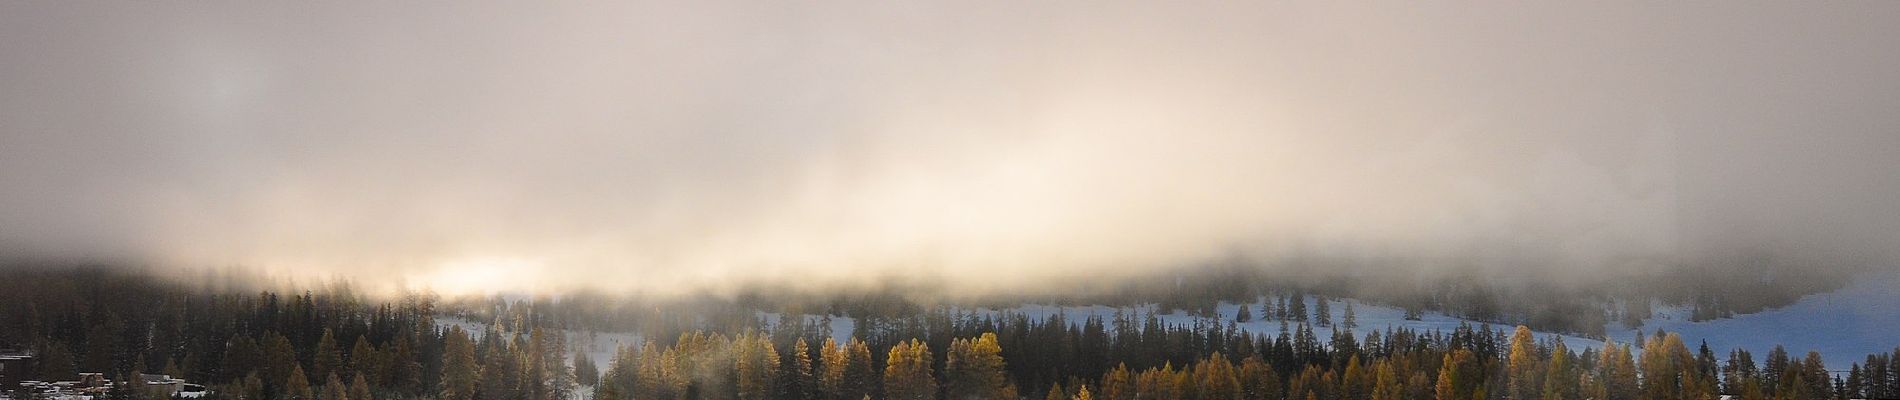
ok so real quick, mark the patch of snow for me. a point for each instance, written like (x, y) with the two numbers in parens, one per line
(599, 346)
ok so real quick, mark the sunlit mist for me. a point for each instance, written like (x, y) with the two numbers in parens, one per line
(675, 146)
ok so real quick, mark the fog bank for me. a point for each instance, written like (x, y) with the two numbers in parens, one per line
(673, 145)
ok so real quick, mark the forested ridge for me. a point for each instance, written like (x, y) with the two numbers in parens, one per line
(330, 343)
(1576, 308)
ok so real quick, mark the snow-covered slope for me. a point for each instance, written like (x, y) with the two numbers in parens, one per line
(1845, 325)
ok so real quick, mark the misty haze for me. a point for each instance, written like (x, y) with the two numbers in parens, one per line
(936, 200)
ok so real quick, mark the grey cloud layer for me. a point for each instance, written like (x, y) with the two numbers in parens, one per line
(668, 142)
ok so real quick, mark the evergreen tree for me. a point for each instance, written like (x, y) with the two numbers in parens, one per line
(1118, 384)
(56, 363)
(359, 389)
(798, 382)
(402, 370)
(1525, 371)
(459, 371)
(1418, 386)
(1560, 378)
(659, 375)
(1752, 390)
(296, 387)
(1708, 374)
(334, 389)
(1893, 374)
(756, 364)
(280, 361)
(1296, 307)
(1257, 380)
(1350, 321)
(832, 363)
(251, 386)
(1385, 382)
(974, 370)
(328, 358)
(1664, 363)
(1215, 378)
(907, 372)
(1775, 366)
(363, 358)
(1322, 312)
(1460, 377)
(618, 383)
(100, 343)
(501, 373)
(1854, 387)
(586, 373)
(125, 388)
(1739, 368)
(1815, 373)
(861, 377)
(1243, 316)
(1354, 384)
(1619, 372)
(547, 376)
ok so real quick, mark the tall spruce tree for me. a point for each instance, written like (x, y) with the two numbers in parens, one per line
(861, 377)
(1323, 312)
(798, 380)
(328, 357)
(1350, 321)
(359, 389)
(459, 370)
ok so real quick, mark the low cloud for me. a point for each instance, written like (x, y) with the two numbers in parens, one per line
(665, 146)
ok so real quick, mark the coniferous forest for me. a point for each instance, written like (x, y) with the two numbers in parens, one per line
(330, 343)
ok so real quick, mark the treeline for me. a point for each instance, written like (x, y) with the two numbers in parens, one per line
(332, 344)
(1466, 364)
(1582, 307)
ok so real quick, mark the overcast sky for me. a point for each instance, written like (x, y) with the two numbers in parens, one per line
(672, 144)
